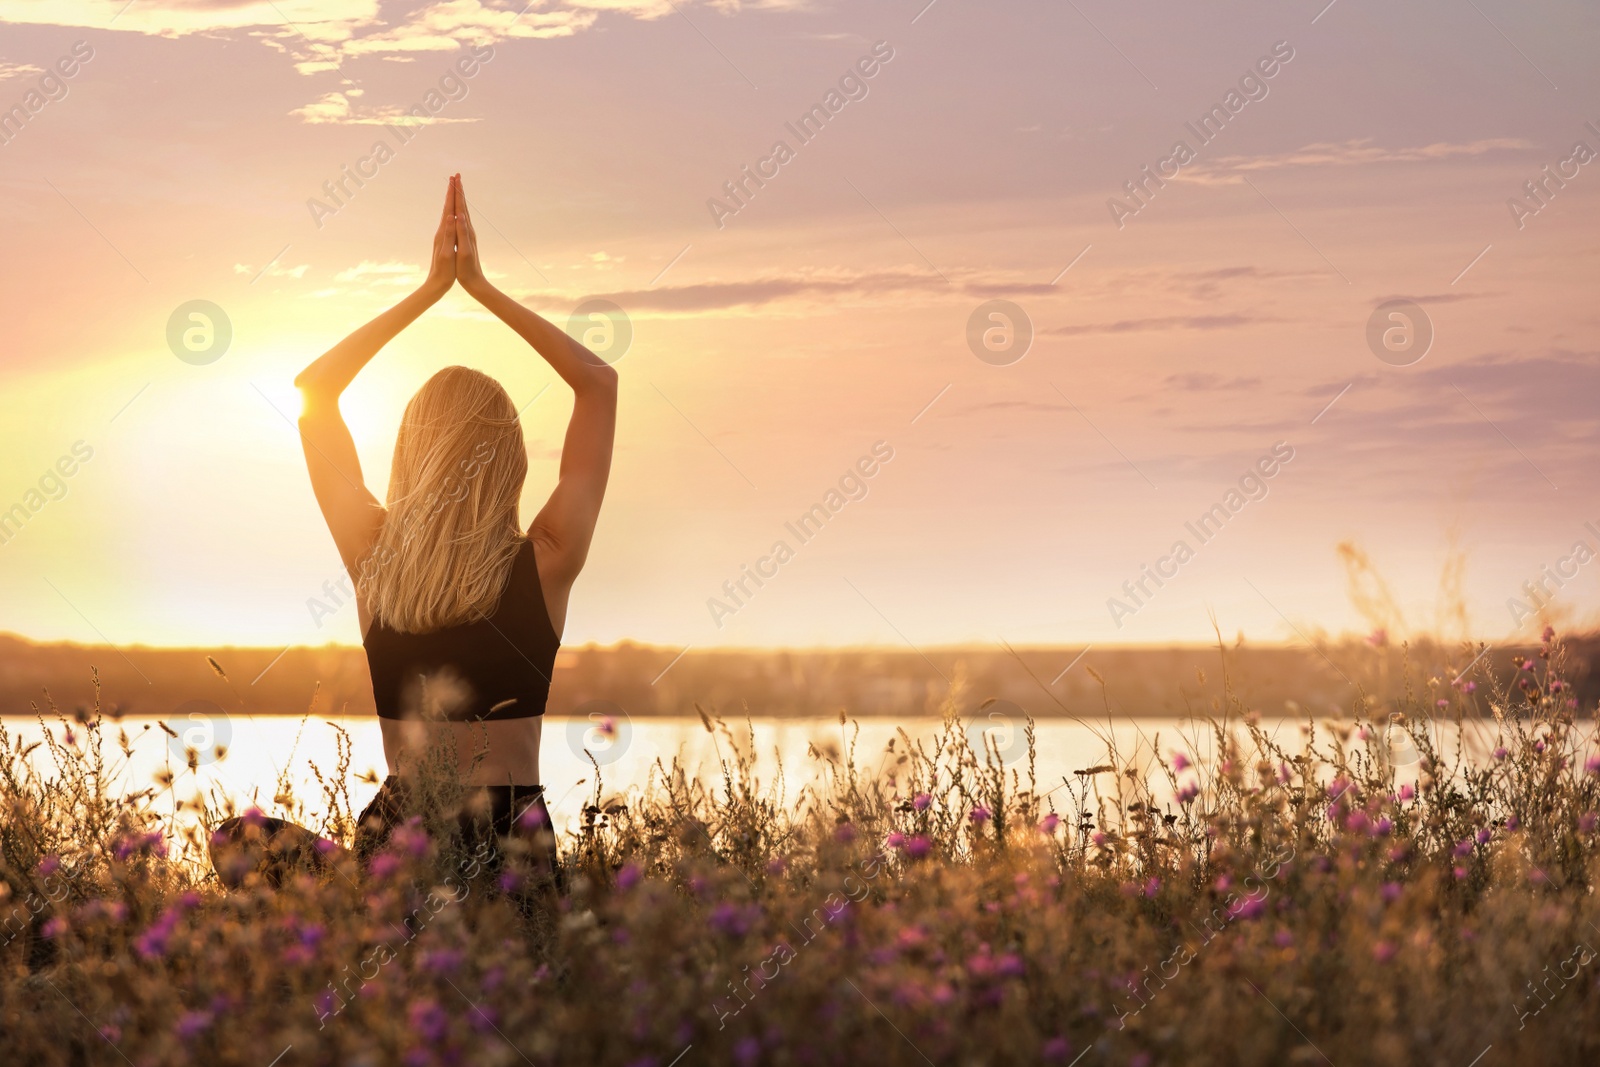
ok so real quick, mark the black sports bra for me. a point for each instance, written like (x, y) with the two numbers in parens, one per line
(493, 667)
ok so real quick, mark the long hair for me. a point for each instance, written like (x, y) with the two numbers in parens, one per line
(445, 549)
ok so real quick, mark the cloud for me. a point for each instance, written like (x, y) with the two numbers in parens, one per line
(712, 296)
(1429, 298)
(324, 20)
(276, 270)
(1201, 286)
(1538, 395)
(445, 26)
(1206, 285)
(390, 273)
(1012, 289)
(339, 109)
(321, 34)
(17, 70)
(1167, 322)
(1231, 170)
(1201, 382)
(835, 285)
(810, 287)
(1521, 418)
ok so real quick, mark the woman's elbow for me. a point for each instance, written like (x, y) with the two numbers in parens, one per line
(315, 388)
(316, 399)
(602, 379)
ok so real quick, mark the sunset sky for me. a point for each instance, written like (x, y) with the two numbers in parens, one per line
(777, 340)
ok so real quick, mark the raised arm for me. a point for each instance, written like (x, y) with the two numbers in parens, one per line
(565, 525)
(352, 513)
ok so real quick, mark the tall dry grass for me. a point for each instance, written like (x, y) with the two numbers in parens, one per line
(1355, 894)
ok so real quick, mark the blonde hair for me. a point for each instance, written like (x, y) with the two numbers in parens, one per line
(447, 543)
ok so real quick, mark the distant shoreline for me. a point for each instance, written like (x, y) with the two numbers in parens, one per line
(653, 681)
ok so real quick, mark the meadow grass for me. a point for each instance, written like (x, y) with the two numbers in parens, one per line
(1352, 896)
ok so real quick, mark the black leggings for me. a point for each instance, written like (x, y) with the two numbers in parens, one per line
(489, 814)
(275, 848)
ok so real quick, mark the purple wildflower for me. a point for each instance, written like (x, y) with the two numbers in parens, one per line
(428, 1020)
(152, 943)
(412, 839)
(383, 865)
(1251, 908)
(443, 960)
(731, 921)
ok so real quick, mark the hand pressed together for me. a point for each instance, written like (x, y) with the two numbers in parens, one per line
(455, 247)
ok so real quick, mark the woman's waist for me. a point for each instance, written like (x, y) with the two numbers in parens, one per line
(490, 752)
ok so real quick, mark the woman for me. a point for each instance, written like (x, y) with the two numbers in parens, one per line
(461, 611)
